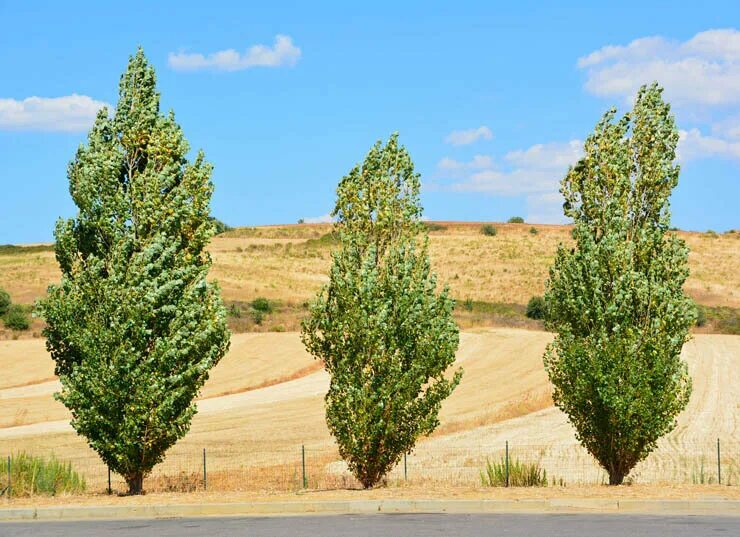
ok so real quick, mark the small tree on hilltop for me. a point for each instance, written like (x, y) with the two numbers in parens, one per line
(386, 337)
(616, 299)
(134, 327)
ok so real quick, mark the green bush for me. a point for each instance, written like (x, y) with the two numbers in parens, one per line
(262, 305)
(711, 234)
(533, 231)
(489, 230)
(434, 226)
(701, 316)
(219, 226)
(536, 308)
(5, 302)
(521, 474)
(516, 220)
(16, 318)
(31, 475)
(258, 316)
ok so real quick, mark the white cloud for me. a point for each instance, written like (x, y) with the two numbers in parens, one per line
(534, 173)
(282, 53)
(476, 163)
(692, 145)
(323, 219)
(465, 137)
(71, 113)
(705, 70)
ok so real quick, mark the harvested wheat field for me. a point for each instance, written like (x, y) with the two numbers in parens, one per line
(290, 263)
(264, 401)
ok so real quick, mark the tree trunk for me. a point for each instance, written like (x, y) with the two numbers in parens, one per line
(616, 477)
(135, 484)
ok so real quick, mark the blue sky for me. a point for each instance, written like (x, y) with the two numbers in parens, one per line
(492, 101)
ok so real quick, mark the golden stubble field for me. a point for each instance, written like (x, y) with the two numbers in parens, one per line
(265, 400)
(290, 263)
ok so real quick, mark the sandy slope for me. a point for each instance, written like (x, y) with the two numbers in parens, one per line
(504, 396)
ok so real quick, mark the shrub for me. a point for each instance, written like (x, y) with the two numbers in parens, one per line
(219, 226)
(258, 316)
(533, 231)
(468, 304)
(262, 305)
(5, 302)
(31, 475)
(711, 234)
(536, 308)
(516, 220)
(489, 230)
(301, 221)
(521, 474)
(434, 226)
(16, 318)
(701, 316)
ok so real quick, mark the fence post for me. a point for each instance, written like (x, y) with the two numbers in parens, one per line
(303, 466)
(205, 475)
(110, 490)
(507, 463)
(719, 465)
(405, 469)
(9, 488)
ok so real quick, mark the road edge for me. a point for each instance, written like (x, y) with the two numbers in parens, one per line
(714, 507)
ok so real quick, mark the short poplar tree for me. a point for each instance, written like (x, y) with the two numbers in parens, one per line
(134, 327)
(616, 300)
(384, 332)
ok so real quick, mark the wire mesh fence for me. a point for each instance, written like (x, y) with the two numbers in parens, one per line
(430, 464)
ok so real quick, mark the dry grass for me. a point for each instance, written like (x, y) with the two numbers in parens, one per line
(288, 264)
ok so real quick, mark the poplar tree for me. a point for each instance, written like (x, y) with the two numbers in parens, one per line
(133, 326)
(384, 333)
(616, 300)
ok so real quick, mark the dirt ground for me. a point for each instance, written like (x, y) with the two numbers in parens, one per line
(683, 492)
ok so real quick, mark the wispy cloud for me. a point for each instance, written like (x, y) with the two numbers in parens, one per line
(705, 70)
(534, 173)
(71, 113)
(323, 219)
(281, 54)
(693, 145)
(465, 137)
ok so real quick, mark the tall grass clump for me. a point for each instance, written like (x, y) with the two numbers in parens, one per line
(31, 476)
(521, 474)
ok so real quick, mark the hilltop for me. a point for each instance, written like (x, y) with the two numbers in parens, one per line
(492, 277)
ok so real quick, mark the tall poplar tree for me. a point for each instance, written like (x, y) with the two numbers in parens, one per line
(385, 334)
(616, 300)
(134, 327)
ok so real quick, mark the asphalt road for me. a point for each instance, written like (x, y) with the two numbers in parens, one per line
(391, 525)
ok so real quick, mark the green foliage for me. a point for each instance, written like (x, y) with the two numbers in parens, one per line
(301, 221)
(32, 476)
(16, 318)
(12, 249)
(262, 305)
(489, 230)
(134, 326)
(533, 231)
(516, 220)
(536, 308)
(616, 299)
(5, 302)
(434, 226)
(218, 226)
(385, 335)
(521, 474)
(701, 315)
(711, 234)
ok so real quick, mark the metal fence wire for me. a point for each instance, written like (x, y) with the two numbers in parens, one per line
(321, 467)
